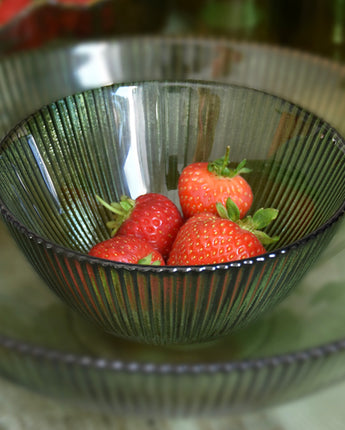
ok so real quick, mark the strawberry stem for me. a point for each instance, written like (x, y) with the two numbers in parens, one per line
(221, 166)
(110, 207)
(226, 158)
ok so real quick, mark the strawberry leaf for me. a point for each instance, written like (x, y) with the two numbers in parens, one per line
(222, 211)
(120, 210)
(264, 238)
(263, 217)
(232, 210)
(147, 260)
(126, 203)
(241, 168)
(113, 207)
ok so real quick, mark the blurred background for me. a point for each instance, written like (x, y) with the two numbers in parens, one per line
(316, 26)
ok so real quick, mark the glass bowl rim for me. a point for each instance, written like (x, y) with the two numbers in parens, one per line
(37, 352)
(174, 39)
(85, 258)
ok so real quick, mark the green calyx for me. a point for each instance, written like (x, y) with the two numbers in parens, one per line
(120, 211)
(148, 261)
(221, 166)
(261, 219)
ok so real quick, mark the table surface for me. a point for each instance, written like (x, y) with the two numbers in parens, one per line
(21, 409)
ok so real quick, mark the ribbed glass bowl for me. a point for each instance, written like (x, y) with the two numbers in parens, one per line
(294, 351)
(135, 138)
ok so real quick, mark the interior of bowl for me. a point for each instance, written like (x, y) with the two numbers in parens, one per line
(130, 139)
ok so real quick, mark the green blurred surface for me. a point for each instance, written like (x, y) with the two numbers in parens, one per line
(316, 26)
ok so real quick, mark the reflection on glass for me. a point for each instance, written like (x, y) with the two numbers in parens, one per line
(43, 170)
(94, 67)
(132, 127)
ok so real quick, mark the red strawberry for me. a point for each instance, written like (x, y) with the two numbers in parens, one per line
(127, 249)
(201, 185)
(207, 238)
(152, 217)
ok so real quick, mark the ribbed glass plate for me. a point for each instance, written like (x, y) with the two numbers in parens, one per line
(31, 79)
(46, 347)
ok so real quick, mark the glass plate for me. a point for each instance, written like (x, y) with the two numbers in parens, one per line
(36, 77)
(292, 352)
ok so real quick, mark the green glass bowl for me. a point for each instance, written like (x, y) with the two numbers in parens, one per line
(135, 138)
(294, 351)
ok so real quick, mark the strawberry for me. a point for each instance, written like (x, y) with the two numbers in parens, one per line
(152, 217)
(201, 185)
(206, 238)
(127, 249)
